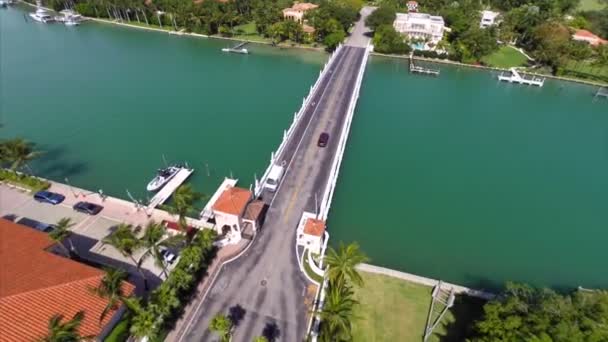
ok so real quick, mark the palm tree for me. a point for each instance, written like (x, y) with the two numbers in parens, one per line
(64, 332)
(61, 232)
(110, 288)
(151, 242)
(183, 203)
(165, 299)
(143, 323)
(18, 152)
(336, 314)
(342, 265)
(221, 325)
(125, 241)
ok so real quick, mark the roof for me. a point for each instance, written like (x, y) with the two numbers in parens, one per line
(303, 6)
(308, 29)
(314, 227)
(590, 36)
(233, 201)
(36, 284)
(254, 210)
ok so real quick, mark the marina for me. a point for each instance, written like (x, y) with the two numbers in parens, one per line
(169, 188)
(516, 77)
(435, 205)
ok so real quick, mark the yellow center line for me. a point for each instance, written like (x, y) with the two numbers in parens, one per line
(291, 203)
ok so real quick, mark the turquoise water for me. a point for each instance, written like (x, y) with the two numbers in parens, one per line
(477, 182)
(456, 177)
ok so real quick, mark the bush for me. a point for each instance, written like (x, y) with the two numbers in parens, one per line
(430, 54)
(387, 40)
(23, 180)
(333, 40)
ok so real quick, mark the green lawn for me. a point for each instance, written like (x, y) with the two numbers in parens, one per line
(505, 57)
(590, 5)
(309, 270)
(246, 29)
(392, 309)
(586, 70)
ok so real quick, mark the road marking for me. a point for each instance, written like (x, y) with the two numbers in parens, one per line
(291, 203)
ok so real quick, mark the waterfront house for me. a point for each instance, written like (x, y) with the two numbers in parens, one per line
(36, 283)
(311, 233)
(420, 26)
(297, 11)
(589, 37)
(489, 18)
(412, 6)
(229, 209)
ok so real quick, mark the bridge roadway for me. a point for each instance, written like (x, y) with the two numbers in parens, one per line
(264, 289)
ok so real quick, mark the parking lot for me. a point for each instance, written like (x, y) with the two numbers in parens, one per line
(87, 232)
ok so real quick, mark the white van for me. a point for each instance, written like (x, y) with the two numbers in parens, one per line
(274, 177)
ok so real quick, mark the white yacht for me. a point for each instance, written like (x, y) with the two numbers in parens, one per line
(69, 17)
(162, 177)
(71, 21)
(42, 16)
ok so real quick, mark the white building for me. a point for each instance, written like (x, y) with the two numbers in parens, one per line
(420, 26)
(311, 233)
(489, 18)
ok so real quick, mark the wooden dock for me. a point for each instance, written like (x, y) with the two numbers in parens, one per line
(163, 195)
(420, 70)
(602, 92)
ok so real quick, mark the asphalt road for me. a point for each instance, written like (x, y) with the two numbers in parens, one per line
(264, 290)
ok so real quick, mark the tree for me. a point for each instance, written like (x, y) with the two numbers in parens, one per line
(260, 339)
(145, 319)
(476, 43)
(387, 40)
(183, 203)
(523, 313)
(64, 332)
(383, 15)
(61, 232)
(221, 325)
(336, 314)
(333, 40)
(550, 44)
(153, 240)
(18, 152)
(110, 288)
(125, 241)
(341, 265)
(165, 299)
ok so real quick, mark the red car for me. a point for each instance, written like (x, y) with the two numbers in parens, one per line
(323, 139)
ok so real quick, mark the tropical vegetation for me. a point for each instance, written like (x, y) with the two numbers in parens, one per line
(222, 326)
(15, 155)
(61, 232)
(525, 313)
(60, 331)
(336, 314)
(111, 289)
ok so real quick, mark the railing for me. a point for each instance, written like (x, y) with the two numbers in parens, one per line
(259, 185)
(333, 175)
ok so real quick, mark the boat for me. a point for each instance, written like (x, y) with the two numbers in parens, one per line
(243, 51)
(42, 16)
(71, 21)
(162, 177)
(69, 17)
(3, 3)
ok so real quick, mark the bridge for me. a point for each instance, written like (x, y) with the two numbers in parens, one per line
(264, 288)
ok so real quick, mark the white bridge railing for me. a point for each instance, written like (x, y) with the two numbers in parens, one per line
(335, 169)
(287, 134)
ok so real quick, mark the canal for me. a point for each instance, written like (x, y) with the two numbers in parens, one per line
(456, 177)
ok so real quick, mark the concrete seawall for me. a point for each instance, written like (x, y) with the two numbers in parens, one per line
(425, 281)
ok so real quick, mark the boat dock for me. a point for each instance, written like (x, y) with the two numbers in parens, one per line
(602, 92)
(237, 49)
(420, 70)
(163, 195)
(515, 77)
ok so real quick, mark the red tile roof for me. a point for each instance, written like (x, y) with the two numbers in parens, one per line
(314, 227)
(590, 36)
(36, 284)
(233, 201)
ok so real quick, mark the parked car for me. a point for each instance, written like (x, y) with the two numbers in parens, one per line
(168, 256)
(323, 139)
(41, 226)
(88, 208)
(49, 197)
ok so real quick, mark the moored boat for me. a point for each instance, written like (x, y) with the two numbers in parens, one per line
(42, 16)
(162, 177)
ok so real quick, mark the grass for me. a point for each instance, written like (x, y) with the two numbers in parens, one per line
(309, 271)
(22, 180)
(590, 5)
(585, 70)
(120, 333)
(246, 29)
(392, 309)
(505, 57)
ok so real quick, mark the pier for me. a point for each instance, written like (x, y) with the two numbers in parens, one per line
(163, 194)
(415, 69)
(516, 77)
(277, 291)
(237, 48)
(602, 92)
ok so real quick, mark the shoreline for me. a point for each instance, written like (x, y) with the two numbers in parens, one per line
(489, 68)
